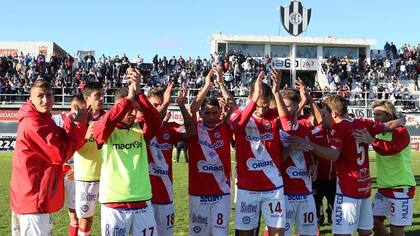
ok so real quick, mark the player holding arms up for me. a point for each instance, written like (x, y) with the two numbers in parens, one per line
(209, 163)
(258, 154)
(125, 190)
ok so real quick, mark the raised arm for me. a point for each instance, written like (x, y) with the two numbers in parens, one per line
(152, 118)
(102, 129)
(276, 77)
(239, 119)
(196, 104)
(306, 98)
(190, 129)
(166, 100)
(228, 101)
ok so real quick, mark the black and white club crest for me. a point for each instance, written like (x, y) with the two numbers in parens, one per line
(295, 18)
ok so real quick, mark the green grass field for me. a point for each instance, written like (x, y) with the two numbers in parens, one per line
(180, 172)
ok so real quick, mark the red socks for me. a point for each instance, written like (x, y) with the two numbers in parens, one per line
(73, 229)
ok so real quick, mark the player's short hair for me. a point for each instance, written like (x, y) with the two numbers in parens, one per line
(40, 83)
(266, 90)
(79, 98)
(120, 93)
(389, 108)
(155, 92)
(336, 103)
(90, 88)
(213, 101)
(322, 105)
(292, 95)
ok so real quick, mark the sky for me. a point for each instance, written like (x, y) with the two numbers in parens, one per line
(183, 27)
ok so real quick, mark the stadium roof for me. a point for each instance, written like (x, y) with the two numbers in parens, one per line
(330, 40)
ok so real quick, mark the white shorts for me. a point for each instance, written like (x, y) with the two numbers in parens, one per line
(301, 212)
(209, 215)
(70, 187)
(351, 214)
(398, 211)
(87, 194)
(31, 224)
(128, 221)
(250, 203)
(165, 218)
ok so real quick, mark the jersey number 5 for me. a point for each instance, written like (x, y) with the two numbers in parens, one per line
(361, 151)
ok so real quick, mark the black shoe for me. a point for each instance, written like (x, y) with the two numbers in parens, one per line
(329, 219)
(321, 220)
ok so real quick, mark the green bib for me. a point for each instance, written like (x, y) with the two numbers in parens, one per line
(125, 170)
(394, 171)
(87, 165)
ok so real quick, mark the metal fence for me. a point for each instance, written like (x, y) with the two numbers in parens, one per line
(364, 99)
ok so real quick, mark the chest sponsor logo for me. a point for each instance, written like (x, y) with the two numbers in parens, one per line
(161, 146)
(261, 137)
(205, 167)
(121, 146)
(215, 145)
(157, 170)
(294, 172)
(257, 165)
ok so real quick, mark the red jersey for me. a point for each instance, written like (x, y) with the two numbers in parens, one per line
(209, 164)
(325, 168)
(353, 178)
(159, 154)
(258, 149)
(295, 170)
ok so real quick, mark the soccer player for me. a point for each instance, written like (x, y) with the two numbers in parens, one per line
(37, 181)
(69, 183)
(159, 152)
(298, 168)
(258, 152)
(326, 181)
(352, 207)
(87, 166)
(396, 183)
(125, 189)
(295, 168)
(209, 163)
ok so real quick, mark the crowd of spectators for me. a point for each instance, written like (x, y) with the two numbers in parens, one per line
(382, 78)
(355, 79)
